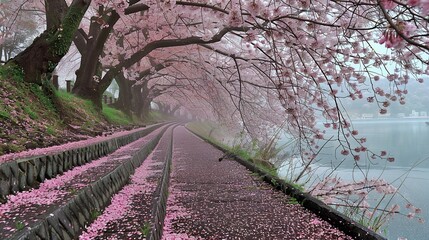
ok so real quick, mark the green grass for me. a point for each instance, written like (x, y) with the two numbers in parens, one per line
(19, 225)
(292, 200)
(43, 99)
(115, 116)
(209, 131)
(242, 153)
(50, 130)
(145, 229)
(78, 111)
(92, 115)
(49, 113)
(4, 114)
(300, 187)
(11, 71)
(95, 214)
(65, 96)
(28, 110)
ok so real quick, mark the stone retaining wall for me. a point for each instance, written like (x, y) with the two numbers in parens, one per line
(23, 174)
(161, 194)
(334, 217)
(68, 221)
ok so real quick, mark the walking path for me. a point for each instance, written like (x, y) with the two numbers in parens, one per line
(209, 199)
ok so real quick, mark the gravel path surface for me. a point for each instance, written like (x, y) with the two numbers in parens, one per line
(223, 200)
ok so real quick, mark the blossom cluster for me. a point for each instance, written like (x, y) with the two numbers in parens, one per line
(358, 194)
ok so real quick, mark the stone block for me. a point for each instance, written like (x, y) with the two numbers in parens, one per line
(88, 196)
(66, 224)
(74, 157)
(79, 220)
(31, 174)
(41, 172)
(22, 165)
(54, 226)
(54, 163)
(92, 153)
(73, 218)
(100, 149)
(54, 235)
(49, 167)
(13, 183)
(42, 231)
(14, 168)
(97, 196)
(4, 190)
(107, 186)
(28, 235)
(81, 157)
(116, 182)
(22, 181)
(5, 171)
(128, 168)
(86, 155)
(5, 187)
(66, 161)
(83, 207)
(59, 160)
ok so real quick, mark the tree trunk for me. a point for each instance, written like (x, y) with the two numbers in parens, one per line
(163, 108)
(88, 83)
(146, 100)
(46, 51)
(92, 90)
(136, 100)
(174, 109)
(125, 95)
(145, 108)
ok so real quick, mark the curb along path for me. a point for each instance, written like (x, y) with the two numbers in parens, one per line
(223, 200)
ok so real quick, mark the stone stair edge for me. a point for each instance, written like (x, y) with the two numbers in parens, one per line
(54, 153)
(23, 174)
(159, 209)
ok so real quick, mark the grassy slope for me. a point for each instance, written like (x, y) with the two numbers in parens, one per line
(29, 119)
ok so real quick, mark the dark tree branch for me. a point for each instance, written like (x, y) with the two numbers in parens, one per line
(166, 43)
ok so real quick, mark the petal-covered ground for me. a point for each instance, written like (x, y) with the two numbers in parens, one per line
(66, 146)
(223, 200)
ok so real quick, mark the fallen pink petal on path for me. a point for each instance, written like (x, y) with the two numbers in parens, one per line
(223, 200)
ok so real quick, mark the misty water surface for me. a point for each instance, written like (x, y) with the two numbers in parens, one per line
(408, 141)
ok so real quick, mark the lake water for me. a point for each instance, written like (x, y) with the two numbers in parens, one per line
(408, 141)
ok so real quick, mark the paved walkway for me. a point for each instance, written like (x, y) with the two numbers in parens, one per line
(223, 200)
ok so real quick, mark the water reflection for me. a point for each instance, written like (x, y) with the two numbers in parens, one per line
(408, 141)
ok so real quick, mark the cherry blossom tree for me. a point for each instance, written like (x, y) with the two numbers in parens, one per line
(135, 37)
(43, 55)
(18, 25)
